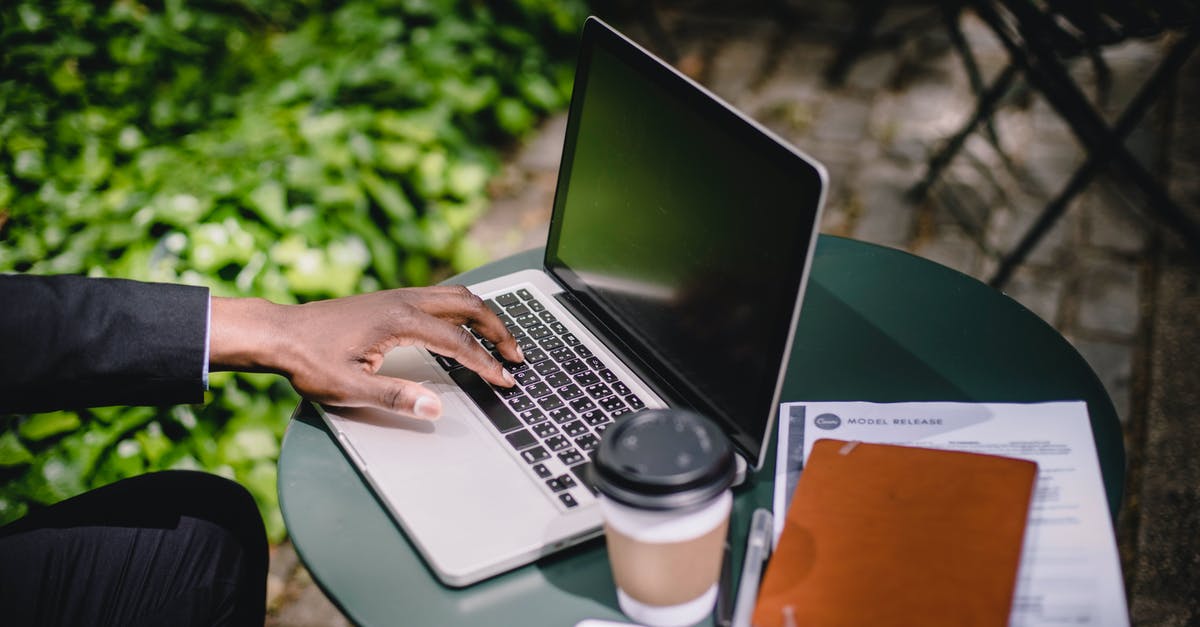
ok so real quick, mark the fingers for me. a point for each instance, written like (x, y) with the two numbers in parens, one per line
(454, 341)
(401, 396)
(459, 305)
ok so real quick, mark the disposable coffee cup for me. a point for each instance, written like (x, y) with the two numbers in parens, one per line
(663, 478)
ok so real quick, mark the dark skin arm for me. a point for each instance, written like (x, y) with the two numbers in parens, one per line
(331, 350)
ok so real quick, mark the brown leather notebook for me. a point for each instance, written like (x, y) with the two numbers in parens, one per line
(895, 535)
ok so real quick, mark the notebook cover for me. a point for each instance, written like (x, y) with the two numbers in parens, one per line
(890, 535)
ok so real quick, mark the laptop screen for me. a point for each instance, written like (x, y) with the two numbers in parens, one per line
(685, 230)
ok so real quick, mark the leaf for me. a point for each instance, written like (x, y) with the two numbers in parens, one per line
(12, 452)
(269, 200)
(389, 197)
(514, 117)
(41, 426)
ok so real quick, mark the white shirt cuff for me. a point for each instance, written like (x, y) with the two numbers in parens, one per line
(207, 340)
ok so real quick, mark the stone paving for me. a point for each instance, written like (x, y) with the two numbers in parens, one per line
(1110, 279)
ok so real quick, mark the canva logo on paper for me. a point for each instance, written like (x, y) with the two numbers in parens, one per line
(828, 422)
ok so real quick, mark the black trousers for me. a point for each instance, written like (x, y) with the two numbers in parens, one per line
(168, 548)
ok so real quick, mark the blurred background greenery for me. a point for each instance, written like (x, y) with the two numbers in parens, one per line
(290, 149)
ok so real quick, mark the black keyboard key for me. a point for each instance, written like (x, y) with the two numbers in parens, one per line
(504, 319)
(598, 390)
(594, 417)
(574, 366)
(570, 458)
(488, 345)
(583, 351)
(567, 481)
(527, 344)
(534, 455)
(634, 401)
(570, 339)
(539, 389)
(620, 412)
(555, 485)
(546, 368)
(587, 442)
(507, 300)
(587, 378)
(575, 428)
(515, 329)
(562, 354)
(569, 392)
(595, 363)
(527, 321)
(538, 331)
(561, 415)
(533, 416)
(525, 377)
(547, 317)
(558, 443)
(550, 343)
(608, 376)
(507, 393)
(583, 404)
(518, 310)
(558, 328)
(513, 366)
(568, 500)
(521, 439)
(550, 402)
(524, 294)
(581, 473)
(541, 471)
(520, 403)
(557, 379)
(545, 429)
(496, 308)
(486, 399)
(612, 404)
(536, 306)
(621, 388)
(534, 355)
(599, 429)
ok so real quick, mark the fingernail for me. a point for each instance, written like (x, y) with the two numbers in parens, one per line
(427, 407)
(520, 354)
(509, 379)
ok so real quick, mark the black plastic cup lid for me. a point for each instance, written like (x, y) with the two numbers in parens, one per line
(663, 459)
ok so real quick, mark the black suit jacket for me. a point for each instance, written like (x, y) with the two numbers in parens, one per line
(68, 342)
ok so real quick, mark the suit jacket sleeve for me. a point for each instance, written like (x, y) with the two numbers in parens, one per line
(68, 342)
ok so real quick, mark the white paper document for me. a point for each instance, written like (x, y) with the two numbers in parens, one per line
(1070, 573)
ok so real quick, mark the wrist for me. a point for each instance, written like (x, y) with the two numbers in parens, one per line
(247, 334)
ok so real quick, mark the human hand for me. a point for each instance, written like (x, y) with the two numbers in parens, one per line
(331, 350)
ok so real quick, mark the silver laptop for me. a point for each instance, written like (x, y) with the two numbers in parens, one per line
(679, 247)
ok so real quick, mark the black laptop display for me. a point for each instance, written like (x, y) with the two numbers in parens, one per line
(677, 219)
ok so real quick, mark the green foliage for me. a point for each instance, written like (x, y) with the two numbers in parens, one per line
(287, 149)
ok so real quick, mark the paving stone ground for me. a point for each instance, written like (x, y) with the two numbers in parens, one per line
(1110, 278)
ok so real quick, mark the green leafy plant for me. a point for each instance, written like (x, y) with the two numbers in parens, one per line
(287, 149)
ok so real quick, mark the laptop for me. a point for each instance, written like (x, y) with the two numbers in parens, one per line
(680, 242)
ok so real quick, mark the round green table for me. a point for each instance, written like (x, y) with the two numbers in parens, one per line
(877, 324)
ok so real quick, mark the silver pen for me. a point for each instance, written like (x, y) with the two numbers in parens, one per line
(758, 547)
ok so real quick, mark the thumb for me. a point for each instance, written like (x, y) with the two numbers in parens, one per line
(403, 396)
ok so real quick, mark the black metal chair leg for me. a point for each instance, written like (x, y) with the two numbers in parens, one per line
(857, 43)
(986, 105)
(951, 10)
(1112, 145)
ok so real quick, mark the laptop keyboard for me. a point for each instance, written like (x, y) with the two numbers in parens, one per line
(564, 399)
